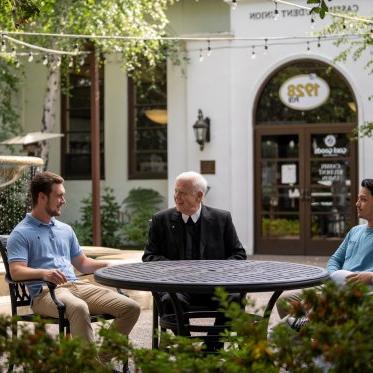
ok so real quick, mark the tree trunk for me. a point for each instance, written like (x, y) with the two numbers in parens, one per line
(49, 107)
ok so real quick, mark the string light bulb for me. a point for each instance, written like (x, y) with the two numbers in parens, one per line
(201, 55)
(277, 13)
(58, 62)
(234, 4)
(308, 47)
(30, 57)
(17, 63)
(208, 48)
(76, 49)
(45, 60)
(13, 52)
(312, 22)
(253, 54)
(81, 62)
(3, 45)
(265, 46)
(71, 62)
(319, 42)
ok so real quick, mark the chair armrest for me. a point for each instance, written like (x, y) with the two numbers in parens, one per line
(26, 282)
(52, 287)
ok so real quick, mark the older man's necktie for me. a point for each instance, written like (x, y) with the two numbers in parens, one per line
(189, 226)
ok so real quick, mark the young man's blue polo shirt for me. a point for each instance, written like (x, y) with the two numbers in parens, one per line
(40, 245)
(355, 253)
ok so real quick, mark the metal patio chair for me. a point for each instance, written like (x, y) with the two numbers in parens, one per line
(163, 321)
(20, 297)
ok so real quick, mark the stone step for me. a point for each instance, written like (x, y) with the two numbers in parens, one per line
(5, 307)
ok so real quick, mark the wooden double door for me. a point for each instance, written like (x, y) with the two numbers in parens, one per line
(305, 188)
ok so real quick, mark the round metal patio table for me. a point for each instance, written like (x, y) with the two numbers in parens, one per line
(204, 276)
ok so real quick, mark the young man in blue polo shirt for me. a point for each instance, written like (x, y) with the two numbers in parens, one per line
(41, 247)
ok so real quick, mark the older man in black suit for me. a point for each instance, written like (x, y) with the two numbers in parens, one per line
(192, 230)
(212, 234)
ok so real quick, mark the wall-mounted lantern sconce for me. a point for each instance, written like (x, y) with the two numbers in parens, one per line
(202, 130)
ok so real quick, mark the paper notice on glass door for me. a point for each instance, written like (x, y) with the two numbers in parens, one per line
(288, 174)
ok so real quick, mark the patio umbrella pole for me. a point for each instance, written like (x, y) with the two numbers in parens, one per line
(95, 149)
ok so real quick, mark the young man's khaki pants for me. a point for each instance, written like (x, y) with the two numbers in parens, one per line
(83, 299)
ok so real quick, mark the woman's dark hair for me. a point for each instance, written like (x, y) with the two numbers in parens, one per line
(368, 183)
(43, 183)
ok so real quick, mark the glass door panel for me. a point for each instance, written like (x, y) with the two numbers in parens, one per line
(280, 186)
(330, 194)
(280, 146)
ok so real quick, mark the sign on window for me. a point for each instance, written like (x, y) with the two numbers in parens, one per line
(304, 92)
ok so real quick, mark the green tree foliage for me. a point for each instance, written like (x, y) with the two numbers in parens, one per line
(319, 7)
(9, 117)
(136, 18)
(18, 12)
(13, 14)
(354, 48)
(140, 205)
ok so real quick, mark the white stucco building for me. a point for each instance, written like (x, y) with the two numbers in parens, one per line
(286, 193)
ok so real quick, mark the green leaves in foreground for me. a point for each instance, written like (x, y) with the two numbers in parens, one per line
(337, 339)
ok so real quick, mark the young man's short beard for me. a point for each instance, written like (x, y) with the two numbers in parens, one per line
(51, 212)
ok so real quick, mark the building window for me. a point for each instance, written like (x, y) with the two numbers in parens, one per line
(76, 125)
(147, 111)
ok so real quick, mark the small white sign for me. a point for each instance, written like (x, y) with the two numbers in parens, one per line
(288, 174)
(304, 92)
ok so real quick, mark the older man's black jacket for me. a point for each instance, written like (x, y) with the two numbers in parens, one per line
(218, 236)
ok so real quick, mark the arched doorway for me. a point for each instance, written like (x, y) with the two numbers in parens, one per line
(305, 160)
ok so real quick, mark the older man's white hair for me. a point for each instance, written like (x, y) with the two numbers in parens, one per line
(198, 181)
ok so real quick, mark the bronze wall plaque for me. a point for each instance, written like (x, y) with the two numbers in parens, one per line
(207, 167)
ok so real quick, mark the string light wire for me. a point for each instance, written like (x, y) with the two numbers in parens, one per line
(309, 41)
(6, 34)
(41, 49)
(259, 42)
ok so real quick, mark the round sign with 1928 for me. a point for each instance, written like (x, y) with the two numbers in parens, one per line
(304, 92)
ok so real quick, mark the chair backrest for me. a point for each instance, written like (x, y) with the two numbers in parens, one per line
(4, 255)
(18, 292)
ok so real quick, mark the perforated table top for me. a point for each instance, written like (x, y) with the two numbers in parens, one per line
(203, 276)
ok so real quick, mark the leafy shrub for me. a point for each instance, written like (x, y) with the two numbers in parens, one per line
(38, 351)
(140, 205)
(280, 227)
(14, 203)
(110, 220)
(338, 339)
